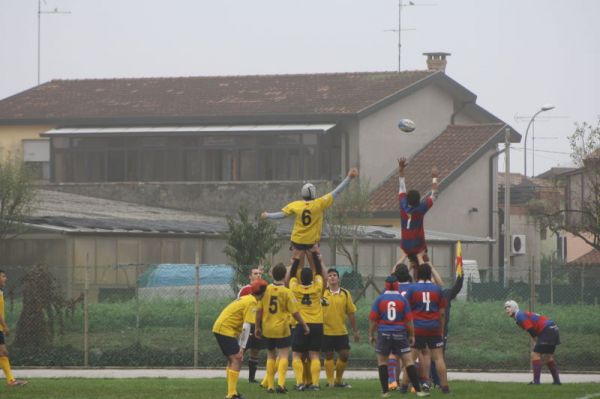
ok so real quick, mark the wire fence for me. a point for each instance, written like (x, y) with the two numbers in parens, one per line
(162, 315)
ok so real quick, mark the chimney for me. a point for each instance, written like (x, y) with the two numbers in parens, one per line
(436, 61)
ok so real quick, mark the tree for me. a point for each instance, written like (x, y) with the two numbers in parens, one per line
(249, 242)
(17, 195)
(580, 217)
(340, 219)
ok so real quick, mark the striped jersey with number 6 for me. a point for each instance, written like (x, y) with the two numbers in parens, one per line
(308, 218)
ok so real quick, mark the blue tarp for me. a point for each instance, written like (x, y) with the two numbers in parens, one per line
(177, 275)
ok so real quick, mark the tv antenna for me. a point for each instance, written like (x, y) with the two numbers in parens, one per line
(39, 32)
(399, 30)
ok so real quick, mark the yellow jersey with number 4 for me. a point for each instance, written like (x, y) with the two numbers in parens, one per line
(309, 218)
(309, 299)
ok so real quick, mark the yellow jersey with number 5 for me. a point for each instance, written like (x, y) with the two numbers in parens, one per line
(309, 218)
(277, 304)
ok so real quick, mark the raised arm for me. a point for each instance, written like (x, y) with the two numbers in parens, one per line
(352, 173)
(458, 283)
(401, 165)
(434, 182)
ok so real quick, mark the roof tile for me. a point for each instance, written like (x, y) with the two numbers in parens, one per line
(447, 151)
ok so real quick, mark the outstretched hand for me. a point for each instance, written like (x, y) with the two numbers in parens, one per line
(435, 172)
(352, 173)
(402, 163)
(263, 215)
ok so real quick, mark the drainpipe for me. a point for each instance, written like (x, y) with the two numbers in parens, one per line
(491, 196)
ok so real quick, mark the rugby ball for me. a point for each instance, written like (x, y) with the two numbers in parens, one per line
(406, 125)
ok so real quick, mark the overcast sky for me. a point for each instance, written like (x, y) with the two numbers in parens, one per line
(516, 55)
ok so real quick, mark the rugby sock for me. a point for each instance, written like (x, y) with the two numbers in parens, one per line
(392, 369)
(536, 365)
(318, 265)
(403, 388)
(271, 369)
(315, 371)
(340, 366)
(5, 364)
(306, 371)
(298, 370)
(383, 377)
(414, 378)
(232, 380)
(282, 371)
(329, 367)
(252, 365)
(554, 371)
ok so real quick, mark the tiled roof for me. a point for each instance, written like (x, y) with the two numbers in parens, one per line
(447, 151)
(590, 258)
(517, 179)
(198, 97)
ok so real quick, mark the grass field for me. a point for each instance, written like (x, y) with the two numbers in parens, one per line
(215, 388)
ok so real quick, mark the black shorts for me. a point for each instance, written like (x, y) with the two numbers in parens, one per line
(426, 341)
(229, 345)
(278, 343)
(392, 342)
(546, 342)
(1, 337)
(311, 341)
(302, 247)
(335, 343)
(253, 342)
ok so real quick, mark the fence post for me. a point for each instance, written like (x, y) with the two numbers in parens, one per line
(85, 312)
(197, 307)
(551, 283)
(532, 285)
(137, 306)
(582, 282)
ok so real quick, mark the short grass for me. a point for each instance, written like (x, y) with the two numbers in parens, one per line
(215, 388)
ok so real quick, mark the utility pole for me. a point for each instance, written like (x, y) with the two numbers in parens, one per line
(39, 34)
(506, 207)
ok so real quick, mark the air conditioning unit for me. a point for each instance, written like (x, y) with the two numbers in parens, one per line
(517, 244)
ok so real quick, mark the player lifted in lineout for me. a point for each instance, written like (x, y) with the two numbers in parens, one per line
(412, 213)
(308, 212)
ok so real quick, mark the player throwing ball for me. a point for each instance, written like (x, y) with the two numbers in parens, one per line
(308, 212)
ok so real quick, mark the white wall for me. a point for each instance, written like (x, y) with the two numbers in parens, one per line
(380, 140)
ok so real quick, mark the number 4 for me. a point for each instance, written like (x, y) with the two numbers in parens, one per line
(426, 300)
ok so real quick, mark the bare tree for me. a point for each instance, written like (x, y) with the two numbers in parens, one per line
(343, 231)
(17, 194)
(580, 214)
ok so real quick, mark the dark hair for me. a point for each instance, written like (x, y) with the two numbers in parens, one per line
(333, 270)
(306, 276)
(2, 271)
(401, 273)
(413, 197)
(424, 272)
(412, 258)
(391, 283)
(278, 272)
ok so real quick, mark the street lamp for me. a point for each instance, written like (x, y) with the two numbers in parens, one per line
(545, 107)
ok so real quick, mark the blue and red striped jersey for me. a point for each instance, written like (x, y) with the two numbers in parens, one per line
(426, 300)
(391, 311)
(411, 221)
(527, 320)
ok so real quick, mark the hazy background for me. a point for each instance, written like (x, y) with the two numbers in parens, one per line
(514, 54)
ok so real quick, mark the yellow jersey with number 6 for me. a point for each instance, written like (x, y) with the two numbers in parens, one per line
(309, 218)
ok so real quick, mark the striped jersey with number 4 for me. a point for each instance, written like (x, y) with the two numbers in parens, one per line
(277, 304)
(426, 300)
(309, 218)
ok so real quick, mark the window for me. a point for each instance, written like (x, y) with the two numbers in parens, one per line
(36, 155)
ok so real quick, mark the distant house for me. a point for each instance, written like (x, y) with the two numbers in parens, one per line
(207, 144)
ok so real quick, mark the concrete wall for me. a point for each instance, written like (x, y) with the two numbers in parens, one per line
(380, 140)
(521, 264)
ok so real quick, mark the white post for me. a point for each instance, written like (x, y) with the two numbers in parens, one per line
(507, 208)
(197, 307)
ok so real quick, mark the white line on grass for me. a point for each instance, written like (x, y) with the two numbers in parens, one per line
(594, 395)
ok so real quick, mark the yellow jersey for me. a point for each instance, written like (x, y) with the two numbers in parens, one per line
(309, 299)
(231, 319)
(309, 218)
(338, 305)
(277, 304)
(2, 308)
